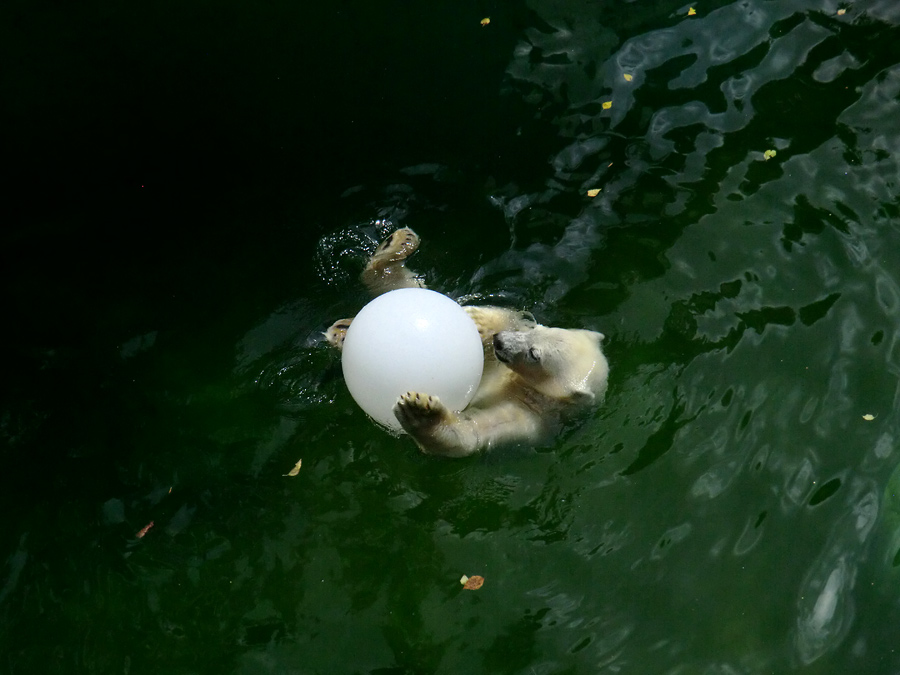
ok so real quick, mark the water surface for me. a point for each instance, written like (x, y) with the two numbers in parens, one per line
(731, 508)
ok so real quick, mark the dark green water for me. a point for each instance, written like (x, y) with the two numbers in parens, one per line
(195, 188)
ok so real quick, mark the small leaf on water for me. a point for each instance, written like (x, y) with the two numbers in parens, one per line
(692, 11)
(144, 530)
(593, 192)
(473, 583)
(841, 12)
(769, 154)
(295, 470)
(607, 105)
(485, 21)
(628, 78)
(868, 417)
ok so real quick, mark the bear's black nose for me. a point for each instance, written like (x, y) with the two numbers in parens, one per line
(499, 349)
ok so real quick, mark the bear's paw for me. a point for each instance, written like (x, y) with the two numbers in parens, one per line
(417, 411)
(398, 246)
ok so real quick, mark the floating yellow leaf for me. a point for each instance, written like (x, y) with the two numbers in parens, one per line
(628, 78)
(692, 11)
(868, 417)
(472, 583)
(841, 12)
(485, 21)
(607, 105)
(593, 192)
(769, 154)
(295, 470)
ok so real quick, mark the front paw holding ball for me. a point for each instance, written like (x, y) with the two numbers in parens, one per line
(420, 412)
(435, 429)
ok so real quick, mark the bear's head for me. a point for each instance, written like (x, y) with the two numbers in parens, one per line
(561, 363)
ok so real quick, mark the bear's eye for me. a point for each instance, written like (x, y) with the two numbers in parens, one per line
(534, 354)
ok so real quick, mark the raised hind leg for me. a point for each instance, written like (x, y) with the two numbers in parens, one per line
(387, 270)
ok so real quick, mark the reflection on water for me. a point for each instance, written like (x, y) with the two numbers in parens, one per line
(776, 289)
(733, 506)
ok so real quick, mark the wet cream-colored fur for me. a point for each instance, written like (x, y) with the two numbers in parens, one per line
(532, 373)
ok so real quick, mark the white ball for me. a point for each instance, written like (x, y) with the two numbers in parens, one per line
(411, 339)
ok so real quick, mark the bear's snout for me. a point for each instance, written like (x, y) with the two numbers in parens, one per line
(509, 345)
(500, 348)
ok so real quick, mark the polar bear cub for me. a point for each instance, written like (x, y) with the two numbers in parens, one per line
(533, 374)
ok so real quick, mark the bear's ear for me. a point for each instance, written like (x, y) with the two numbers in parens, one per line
(582, 396)
(528, 318)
